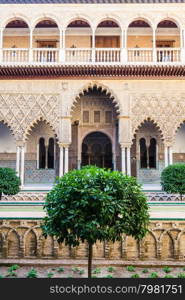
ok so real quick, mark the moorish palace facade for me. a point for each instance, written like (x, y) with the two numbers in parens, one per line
(91, 82)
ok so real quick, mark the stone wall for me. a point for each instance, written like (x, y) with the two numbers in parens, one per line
(23, 239)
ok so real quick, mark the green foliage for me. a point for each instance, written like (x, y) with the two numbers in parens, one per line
(60, 270)
(75, 269)
(69, 276)
(32, 274)
(131, 268)
(145, 271)
(181, 275)
(11, 274)
(172, 179)
(96, 271)
(167, 269)
(13, 268)
(81, 272)
(135, 276)
(9, 182)
(168, 276)
(109, 276)
(1, 276)
(95, 204)
(50, 274)
(183, 268)
(111, 269)
(154, 275)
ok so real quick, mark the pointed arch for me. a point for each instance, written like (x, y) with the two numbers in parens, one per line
(103, 88)
(6, 123)
(30, 243)
(35, 122)
(13, 244)
(139, 124)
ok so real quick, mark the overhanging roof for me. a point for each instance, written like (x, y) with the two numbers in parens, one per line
(87, 1)
(92, 71)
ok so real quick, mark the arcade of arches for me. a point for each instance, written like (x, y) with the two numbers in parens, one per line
(94, 141)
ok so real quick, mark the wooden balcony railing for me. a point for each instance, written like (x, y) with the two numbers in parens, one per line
(91, 56)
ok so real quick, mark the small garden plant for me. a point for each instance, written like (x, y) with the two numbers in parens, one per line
(11, 274)
(109, 276)
(111, 269)
(60, 270)
(13, 268)
(168, 276)
(32, 274)
(50, 274)
(154, 275)
(96, 271)
(167, 269)
(135, 276)
(131, 268)
(9, 182)
(181, 275)
(144, 271)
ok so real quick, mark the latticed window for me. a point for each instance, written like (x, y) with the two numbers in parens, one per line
(85, 116)
(108, 117)
(96, 116)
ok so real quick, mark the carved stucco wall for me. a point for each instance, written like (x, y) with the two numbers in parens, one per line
(165, 241)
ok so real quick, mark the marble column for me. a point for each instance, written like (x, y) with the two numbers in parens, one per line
(61, 161)
(165, 156)
(66, 161)
(22, 165)
(18, 161)
(128, 162)
(123, 160)
(170, 156)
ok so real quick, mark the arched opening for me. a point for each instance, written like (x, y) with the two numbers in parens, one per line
(147, 153)
(98, 150)
(78, 41)
(31, 244)
(42, 153)
(168, 41)
(179, 145)
(16, 39)
(107, 41)
(46, 36)
(40, 157)
(95, 117)
(7, 148)
(143, 153)
(13, 245)
(51, 150)
(139, 41)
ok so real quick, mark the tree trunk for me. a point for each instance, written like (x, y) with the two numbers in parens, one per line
(0, 195)
(90, 255)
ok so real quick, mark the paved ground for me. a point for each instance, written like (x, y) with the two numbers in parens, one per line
(169, 211)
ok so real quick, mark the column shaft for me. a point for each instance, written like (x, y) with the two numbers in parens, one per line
(61, 162)
(18, 161)
(165, 156)
(170, 156)
(123, 160)
(66, 165)
(128, 162)
(22, 165)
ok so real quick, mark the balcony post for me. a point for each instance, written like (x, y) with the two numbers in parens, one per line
(62, 47)
(31, 46)
(1, 44)
(154, 58)
(93, 46)
(123, 46)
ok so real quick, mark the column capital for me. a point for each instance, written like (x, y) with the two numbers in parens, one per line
(20, 143)
(125, 145)
(64, 145)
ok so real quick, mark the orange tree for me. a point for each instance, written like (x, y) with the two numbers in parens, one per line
(9, 182)
(94, 204)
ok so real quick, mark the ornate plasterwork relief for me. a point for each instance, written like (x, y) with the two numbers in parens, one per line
(21, 111)
(166, 111)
